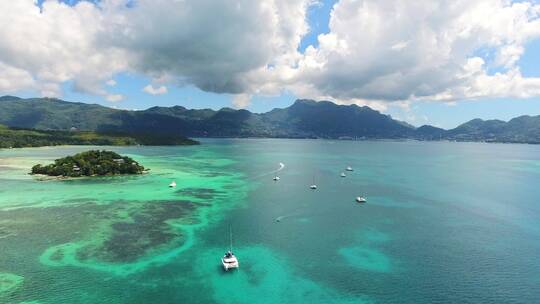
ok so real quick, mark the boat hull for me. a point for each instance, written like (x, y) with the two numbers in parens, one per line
(229, 264)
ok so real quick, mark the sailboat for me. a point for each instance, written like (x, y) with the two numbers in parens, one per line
(172, 185)
(361, 199)
(229, 260)
(313, 186)
(343, 174)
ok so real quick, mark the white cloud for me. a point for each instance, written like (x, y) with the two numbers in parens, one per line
(58, 44)
(155, 91)
(114, 97)
(395, 50)
(219, 46)
(400, 45)
(241, 101)
(50, 89)
(13, 79)
(376, 51)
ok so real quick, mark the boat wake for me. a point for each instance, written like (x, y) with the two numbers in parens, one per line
(280, 218)
(281, 167)
(295, 216)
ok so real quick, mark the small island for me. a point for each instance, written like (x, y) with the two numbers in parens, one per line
(90, 163)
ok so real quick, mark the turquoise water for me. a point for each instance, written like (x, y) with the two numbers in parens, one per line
(444, 223)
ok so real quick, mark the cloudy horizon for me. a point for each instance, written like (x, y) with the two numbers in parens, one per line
(427, 62)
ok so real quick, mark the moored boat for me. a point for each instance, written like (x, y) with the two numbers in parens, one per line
(313, 186)
(361, 199)
(229, 260)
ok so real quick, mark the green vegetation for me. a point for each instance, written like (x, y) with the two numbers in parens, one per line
(303, 119)
(90, 163)
(19, 138)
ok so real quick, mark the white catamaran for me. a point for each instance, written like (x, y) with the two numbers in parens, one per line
(229, 260)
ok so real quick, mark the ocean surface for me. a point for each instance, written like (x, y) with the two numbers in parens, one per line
(444, 223)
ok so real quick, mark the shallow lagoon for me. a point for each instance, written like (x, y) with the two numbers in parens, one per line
(444, 222)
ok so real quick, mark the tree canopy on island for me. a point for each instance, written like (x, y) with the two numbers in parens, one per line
(90, 163)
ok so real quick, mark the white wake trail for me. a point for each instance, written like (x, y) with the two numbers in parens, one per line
(281, 167)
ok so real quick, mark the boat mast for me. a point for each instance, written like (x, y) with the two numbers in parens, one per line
(230, 238)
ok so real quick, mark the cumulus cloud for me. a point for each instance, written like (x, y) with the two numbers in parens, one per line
(219, 46)
(155, 91)
(114, 97)
(57, 44)
(241, 101)
(405, 50)
(375, 52)
(13, 79)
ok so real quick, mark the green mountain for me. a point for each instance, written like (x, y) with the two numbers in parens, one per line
(19, 138)
(427, 132)
(53, 114)
(303, 119)
(522, 129)
(307, 118)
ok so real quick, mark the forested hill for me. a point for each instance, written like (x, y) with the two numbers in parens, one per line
(20, 138)
(303, 119)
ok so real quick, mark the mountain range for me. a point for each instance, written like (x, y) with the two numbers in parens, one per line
(303, 119)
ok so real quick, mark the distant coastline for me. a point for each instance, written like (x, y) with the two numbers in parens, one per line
(26, 138)
(303, 119)
(378, 139)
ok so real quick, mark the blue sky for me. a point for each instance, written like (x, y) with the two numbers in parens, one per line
(131, 85)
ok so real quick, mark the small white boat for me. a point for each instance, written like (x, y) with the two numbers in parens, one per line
(313, 186)
(172, 185)
(276, 178)
(349, 169)
(361, 199)
(343, 174)
(229, 260)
